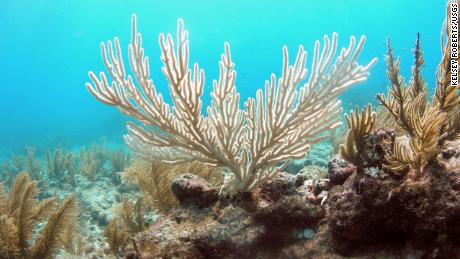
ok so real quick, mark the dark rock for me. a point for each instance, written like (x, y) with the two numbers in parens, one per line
(118, 197)
(233, 233)
(300, 179)
(339, 170)
(449, 158)
(418, 209)
(102, 219)
(320, 185)
(246, 226)
(122, 188)
(370, 214)
(290, 212)
(283, 184)
(192, 190)
(374, 147)
(94, 214)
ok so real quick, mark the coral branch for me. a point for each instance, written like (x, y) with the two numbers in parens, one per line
(358, 127)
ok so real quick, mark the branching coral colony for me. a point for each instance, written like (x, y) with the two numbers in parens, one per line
(253, 144)
(20, 214)
(423, 127)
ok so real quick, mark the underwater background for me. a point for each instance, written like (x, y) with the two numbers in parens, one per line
(47, 48)
(66, 175)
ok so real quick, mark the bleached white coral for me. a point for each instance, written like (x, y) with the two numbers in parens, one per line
(253, 143)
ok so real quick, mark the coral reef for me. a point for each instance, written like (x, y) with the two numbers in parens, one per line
(222, 185)
(59, 176)
(376, 207)
(152, 182)
(244, 227)
(253, 144)
(393, 192)
(404, 194)
(362, 215)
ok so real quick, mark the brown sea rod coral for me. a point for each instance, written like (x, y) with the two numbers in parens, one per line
(425, 125)
(60, 165)
(90, 164)
(22, 163)
(421, 207)
(253, 144)
(359, 125)
(128, 221)
(20, 214)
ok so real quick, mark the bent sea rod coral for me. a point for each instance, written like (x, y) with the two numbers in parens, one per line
(253, 144)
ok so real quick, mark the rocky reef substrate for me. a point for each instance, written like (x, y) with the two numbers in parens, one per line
(359, 212)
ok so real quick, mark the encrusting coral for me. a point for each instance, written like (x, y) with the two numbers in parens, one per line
(253, 144)
(20, 214)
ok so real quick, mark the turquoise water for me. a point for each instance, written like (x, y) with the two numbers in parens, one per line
(47, 47)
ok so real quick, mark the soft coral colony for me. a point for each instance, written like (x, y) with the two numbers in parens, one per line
(253, 144)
